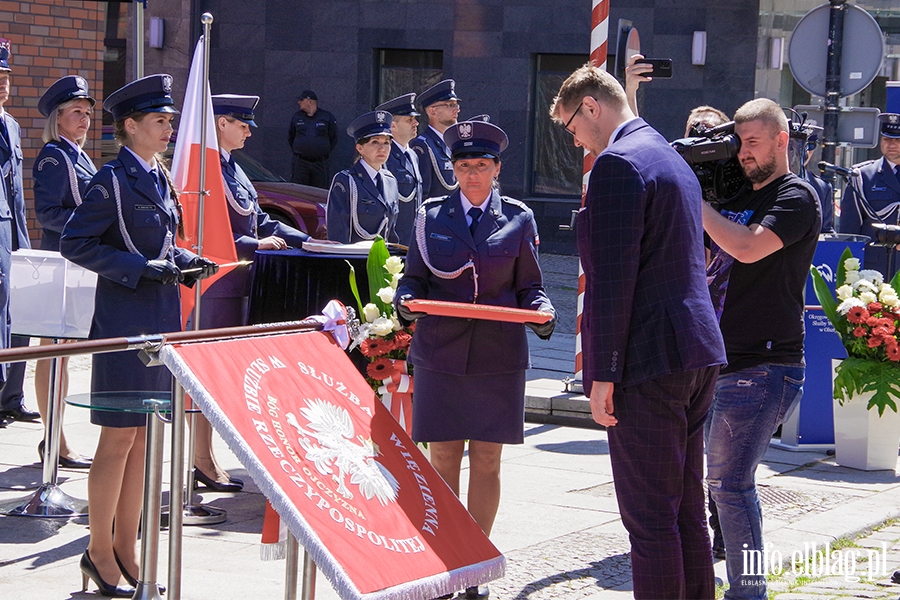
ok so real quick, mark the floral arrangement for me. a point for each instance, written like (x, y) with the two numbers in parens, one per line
(380, 336)
(865, 315)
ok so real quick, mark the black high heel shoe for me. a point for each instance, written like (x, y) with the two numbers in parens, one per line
(234, 484)
(131, 580)
(67, 463)
(89, 570)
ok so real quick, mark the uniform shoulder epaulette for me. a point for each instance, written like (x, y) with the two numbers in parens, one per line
(865, 163)
(434, 200)
(389, 174)
(514, 202)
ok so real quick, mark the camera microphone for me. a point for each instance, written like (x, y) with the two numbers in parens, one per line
(827, 167)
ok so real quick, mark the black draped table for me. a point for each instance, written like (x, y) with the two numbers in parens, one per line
(293, 284)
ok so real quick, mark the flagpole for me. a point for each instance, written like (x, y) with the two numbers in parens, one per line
(198, 514)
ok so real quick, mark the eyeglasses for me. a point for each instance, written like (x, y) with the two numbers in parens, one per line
(577, 110)
(451, 105)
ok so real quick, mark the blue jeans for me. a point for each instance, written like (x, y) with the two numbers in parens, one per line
(747, 408)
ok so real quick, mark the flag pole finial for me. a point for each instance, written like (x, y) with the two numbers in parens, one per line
(206, 19)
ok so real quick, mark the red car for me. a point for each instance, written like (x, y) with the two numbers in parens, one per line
(300, 206)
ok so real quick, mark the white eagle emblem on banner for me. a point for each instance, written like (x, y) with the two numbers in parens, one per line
(331, 447)
(465, 131)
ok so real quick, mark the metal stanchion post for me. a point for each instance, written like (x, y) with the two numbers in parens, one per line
(309, 577)
(49, 500)
(147, 588)
(176, 484)
(291, 561)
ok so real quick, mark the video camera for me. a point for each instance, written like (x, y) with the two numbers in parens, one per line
(712, 155)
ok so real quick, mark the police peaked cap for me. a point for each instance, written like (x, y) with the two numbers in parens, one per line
(444, 90)
(234, 105)
(64, 89)
(890, 125)
(151, 94)
(402, 106)
(5, 51)
(475, 139)
(377, 122)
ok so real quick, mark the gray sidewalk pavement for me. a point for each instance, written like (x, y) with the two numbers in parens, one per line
(558, 523)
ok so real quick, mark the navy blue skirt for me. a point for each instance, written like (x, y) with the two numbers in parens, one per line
(489, 408)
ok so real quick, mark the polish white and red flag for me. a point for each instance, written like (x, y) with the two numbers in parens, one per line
(218, 242)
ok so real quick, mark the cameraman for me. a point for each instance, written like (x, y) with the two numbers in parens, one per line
(762, 244)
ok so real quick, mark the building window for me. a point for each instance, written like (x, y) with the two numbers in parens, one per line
(556, 162)
(404, 71)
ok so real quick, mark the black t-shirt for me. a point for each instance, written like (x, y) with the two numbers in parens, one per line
(760, 305)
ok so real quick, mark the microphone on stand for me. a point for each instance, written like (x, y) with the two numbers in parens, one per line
(827, 167)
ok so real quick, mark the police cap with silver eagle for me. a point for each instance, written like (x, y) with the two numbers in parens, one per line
(401, 106)
(890, 125)
(151, 94)
(377, 122)
(475, 139)
(439, 92)
(237, 106)
(62, 90)
(5, 51)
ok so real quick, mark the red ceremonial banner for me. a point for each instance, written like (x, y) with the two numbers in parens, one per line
(357, 493)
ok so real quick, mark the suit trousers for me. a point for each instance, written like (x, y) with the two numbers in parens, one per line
(656, 451)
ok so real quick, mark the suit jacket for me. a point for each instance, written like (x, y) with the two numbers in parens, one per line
(435, 166)
(405, 168)
(881, 189)
(248, 224)
(374, 213)
(647, 309)
(61, 176)
(504, 250)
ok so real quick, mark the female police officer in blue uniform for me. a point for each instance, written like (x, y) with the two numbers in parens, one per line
(225, 302)
(125, 230)
(61, 174)
(473, 246)
(363, 201)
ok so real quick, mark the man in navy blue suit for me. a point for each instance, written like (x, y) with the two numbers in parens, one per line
(652, 347)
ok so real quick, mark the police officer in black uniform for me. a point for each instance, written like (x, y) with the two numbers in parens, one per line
(312, 136)
(403, 161)
(873, 196)
(441, 105)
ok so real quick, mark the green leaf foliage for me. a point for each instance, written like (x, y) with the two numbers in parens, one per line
(355, 289)
(855, 376)
(378, 275)
(841, 274)
(826, 298)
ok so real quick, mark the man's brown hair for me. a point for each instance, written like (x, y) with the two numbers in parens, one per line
(765, 110)
(588, 80)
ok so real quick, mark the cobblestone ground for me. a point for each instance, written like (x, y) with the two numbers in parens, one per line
(860, 569)
(544, 571)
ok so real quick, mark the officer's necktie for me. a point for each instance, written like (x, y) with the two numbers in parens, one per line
(379, 184)
(897, 171)
(231, 163)
(159, 184)
(475, 214)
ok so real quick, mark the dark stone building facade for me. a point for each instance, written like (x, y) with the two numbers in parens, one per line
(507, 56)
